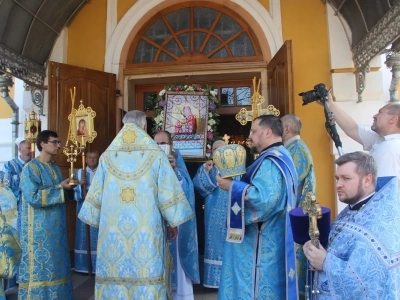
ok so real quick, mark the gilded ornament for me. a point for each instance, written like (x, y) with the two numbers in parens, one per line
(230, 160)
(128, 195)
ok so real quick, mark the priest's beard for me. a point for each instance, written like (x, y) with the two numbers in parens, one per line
(357, 197)
(253, 150)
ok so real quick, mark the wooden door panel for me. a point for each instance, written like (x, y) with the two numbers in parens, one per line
(280, 80)
(96, 89)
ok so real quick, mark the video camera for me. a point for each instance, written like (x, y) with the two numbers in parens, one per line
(320, 92)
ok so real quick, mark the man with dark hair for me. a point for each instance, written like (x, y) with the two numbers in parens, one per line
(134, 195)
(362, 260)
(382, 140)
(45, 271)
(80, 248)
(259, 259)
(184, 248)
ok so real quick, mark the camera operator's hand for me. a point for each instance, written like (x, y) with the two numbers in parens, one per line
(331, 98)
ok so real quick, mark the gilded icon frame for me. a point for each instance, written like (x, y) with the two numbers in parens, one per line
(79, 116)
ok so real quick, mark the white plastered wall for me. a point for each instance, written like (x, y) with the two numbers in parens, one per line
(344, 85)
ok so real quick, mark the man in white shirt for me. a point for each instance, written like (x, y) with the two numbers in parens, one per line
(382, 140)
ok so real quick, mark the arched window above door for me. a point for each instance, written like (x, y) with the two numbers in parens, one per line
(194, 33)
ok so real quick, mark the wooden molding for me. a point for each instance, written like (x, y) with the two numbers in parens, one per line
(132, 70)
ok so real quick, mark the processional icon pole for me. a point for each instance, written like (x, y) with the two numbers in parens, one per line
(81, 131)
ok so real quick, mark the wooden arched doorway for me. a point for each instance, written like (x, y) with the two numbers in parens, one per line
(201, 43)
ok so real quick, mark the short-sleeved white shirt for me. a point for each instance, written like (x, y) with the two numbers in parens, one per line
(385, 150)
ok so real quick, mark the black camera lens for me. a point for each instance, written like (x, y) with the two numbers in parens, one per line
(309, 96)
(318, 93)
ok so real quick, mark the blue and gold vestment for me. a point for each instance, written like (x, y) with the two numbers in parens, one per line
(363, 253)
(45, 270)
(80, 249)
(215, 207)
(261, 265)
(187, 232)
(10, 250)
(304, 165)
(303, 162)
(133, 195)
(12, 174)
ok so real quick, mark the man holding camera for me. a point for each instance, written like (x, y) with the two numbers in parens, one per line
(382, 140)
(184, 248)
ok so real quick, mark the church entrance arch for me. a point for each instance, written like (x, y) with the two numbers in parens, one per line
(222, 43)
(193, 43)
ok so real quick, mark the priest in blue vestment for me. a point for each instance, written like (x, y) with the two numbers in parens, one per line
(215, 207)
(80, 248)
(134, 195)
(301, 156)
(12, 172)
(11, 176)
(304, 164)
(184, 249)
(45, 270)
(362, 259)
(259, 259)
(10, 250)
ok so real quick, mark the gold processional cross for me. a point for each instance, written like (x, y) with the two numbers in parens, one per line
(226, 138)
(243, 116)
(314, 212)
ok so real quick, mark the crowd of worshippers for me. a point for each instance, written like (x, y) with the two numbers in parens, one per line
(136, 205)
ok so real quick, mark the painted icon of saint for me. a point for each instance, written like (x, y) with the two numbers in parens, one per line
(82, 129)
